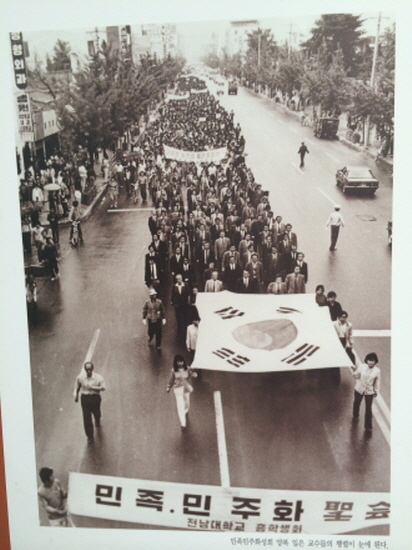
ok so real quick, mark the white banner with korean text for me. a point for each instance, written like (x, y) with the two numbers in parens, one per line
(176, 97)
(265, 333)
(214, 155)
(213, 508)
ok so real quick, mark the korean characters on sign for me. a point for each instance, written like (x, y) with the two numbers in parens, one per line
(19, 63)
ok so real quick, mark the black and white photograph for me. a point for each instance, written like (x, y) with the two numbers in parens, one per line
(203, 330)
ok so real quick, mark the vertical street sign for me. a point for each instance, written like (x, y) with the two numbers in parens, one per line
(19, 63)
(24, 118)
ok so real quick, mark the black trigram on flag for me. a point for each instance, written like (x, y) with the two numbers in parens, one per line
(229, 313)
(301, 354)
(231, 357)
(282, 309)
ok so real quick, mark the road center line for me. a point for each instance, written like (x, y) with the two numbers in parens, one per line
(293, 130)
(91, 349)
(332, 157)
(221, 441)
(309, 141)
(327, 196)
(372, 333)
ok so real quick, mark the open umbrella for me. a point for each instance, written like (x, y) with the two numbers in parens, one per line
(52, 187)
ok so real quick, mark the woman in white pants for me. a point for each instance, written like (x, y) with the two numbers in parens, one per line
(179, 380)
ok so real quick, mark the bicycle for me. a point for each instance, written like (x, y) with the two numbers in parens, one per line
(74, 239)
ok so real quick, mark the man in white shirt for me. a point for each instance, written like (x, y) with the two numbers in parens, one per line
(367, 376)
(335, 221)
(344, 331)
(89, 385)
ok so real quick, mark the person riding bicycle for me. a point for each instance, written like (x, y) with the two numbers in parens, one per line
(74, 217)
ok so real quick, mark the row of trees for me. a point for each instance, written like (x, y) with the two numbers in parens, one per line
(332, 69)
(107, 97)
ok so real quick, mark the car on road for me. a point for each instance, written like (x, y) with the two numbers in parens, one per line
(326, 127)
(356, 178)
(232, 88)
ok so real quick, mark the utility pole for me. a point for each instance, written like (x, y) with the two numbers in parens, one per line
(290, 41)
(375, 52)
(373, 75)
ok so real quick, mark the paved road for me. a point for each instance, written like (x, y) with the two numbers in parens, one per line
(283, 430)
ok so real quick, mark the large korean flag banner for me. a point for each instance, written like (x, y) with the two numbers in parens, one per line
(265, 333)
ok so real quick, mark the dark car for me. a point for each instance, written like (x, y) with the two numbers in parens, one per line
(326, 127)
(232, 88)
(357, 177)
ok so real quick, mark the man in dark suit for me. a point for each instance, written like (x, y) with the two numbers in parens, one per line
(272, 266)
(176, 262)
(204, 256)
(180, 300)
(244, 285)
(300, 261)
(152, 275)
(188, 273)
(291, 235)
(160, 247)
(231, 274)
(290, 258)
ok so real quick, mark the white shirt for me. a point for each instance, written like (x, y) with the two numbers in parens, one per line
(367, 379)
(335, 218)
(344, 330)
(191, 337)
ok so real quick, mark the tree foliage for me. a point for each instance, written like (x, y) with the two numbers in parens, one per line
(260, 56)
(109, 96)
(61, 57)
(338, 32)
(325, 82)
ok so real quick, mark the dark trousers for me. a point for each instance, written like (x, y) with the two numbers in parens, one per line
(155, 328)
(55, 233)
(180, 320)
(302, 159)
(368, 412)
(90, 406)
(334, 234)
(348, 350)
(27, 241)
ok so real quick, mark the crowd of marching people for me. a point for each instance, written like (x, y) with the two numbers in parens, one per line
(212, 226)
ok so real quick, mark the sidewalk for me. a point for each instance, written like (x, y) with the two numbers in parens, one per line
(100, 187)
(371, 150)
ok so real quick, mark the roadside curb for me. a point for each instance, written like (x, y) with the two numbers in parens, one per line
(86, 214)
(354, 146)
(365, 151)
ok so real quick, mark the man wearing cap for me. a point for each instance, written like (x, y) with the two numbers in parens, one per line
(154, 317)
(335, 221)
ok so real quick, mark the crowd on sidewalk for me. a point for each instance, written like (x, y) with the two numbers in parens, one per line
(49, 193)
